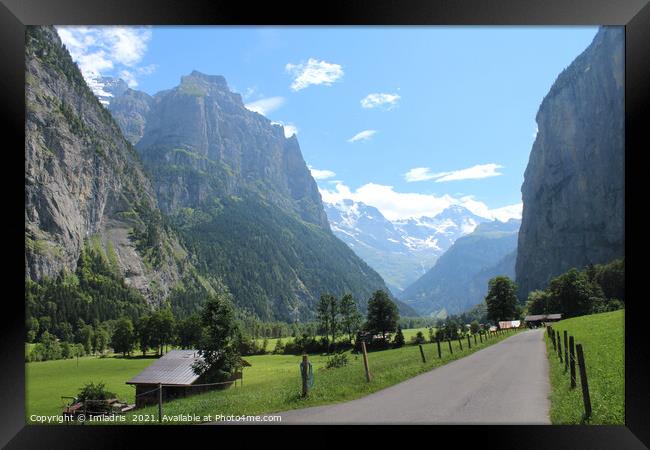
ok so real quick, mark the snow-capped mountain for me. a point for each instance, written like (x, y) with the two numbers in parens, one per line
(401, 251)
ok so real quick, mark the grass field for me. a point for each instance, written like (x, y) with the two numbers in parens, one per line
(273, 382)
(602, 339)
(47, 381)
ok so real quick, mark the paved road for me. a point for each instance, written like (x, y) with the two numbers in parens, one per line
(505, 383)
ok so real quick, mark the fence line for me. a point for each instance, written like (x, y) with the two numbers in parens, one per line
(570, 361)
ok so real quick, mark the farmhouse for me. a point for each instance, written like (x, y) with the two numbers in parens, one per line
(175, 373)
(541, 319)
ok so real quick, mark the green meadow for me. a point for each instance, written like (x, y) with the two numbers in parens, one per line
(602, 339)
(47, 381)
(271, 384)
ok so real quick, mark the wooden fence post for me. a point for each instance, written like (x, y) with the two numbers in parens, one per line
(304, 373)
(365, 361)
(439, 352)
(572, 365)
(159, 402)
(566, 351)
(583, 381)
(451, 350)
(422, 353)
(480, 336)
(552, 337)
(469, 343)
(460, 343)
(559, 346)
(474, 339)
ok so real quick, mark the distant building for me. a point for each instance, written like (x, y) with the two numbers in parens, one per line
(541, 319)
(505, 324)
(174, 371)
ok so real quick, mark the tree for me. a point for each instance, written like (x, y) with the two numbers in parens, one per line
(189, 331)
(398, 340)
(32, 328)
(350, 316)
(279, 347)
(124, 337)
(327, 314)
(220, 358)
(64, 332)
(167, 324)
(143, 334)
(85, 337)
(542, 302)
(474, 327)
(611, 278)
(100, 339)
(382, 314)
(51, 348)
(574, 293)
(501, 299)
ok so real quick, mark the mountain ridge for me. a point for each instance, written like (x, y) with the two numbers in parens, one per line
(400, 250)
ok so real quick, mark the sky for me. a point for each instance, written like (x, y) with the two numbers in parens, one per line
(409, 120)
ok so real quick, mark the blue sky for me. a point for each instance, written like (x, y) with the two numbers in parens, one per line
(407, 119)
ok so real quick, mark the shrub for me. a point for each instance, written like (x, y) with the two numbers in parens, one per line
(337, 360)
(95, 394)
(418, 338)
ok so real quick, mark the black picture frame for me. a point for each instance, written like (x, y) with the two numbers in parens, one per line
(15, 14)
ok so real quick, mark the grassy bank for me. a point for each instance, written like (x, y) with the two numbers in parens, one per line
(273, 382)
(602, 339)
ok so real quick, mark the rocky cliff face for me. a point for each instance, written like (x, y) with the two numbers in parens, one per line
(573, 190)
(83, 179)
(200, 142)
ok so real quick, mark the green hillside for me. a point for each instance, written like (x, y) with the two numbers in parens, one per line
(602, 339)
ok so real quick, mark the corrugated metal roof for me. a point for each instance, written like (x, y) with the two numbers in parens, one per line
(173, 368)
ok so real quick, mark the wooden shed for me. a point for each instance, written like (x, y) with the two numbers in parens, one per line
(175, 373)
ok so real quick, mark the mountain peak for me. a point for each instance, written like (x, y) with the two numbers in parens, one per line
(205, 78)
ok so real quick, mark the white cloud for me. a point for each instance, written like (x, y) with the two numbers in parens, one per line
(289, 128)
(387, 101)
(127, 44)
(476, 172)
(321, 174)
(264, 106)
(313, 72)
(403, 205)
(100, 50)
(362, 136)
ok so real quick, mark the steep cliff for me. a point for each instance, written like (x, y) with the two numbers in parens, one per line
(83, 180)
(200, 142)
(573, 190)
